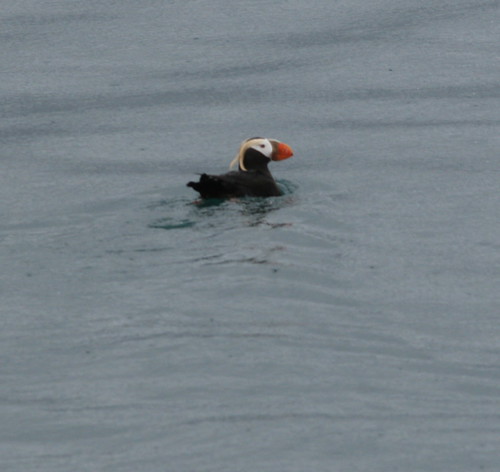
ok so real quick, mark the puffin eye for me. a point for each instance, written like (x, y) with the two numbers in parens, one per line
(262, 146)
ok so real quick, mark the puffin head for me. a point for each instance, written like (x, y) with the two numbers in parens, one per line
(262, 151)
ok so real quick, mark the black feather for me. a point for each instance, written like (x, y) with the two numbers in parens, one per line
(236, 184)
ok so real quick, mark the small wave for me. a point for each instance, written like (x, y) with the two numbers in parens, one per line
(170, 223)
(287, 186)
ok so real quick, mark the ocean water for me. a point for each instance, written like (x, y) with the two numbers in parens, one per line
(348, 325)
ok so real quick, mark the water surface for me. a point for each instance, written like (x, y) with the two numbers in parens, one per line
(350, 324)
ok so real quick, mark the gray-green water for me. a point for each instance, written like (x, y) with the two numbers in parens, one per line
(349, 325)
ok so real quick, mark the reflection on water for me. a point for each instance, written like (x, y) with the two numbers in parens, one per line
(223, 232)
(222, 213)
(256, 210)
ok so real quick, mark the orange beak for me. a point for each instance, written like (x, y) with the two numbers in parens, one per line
(284, 151)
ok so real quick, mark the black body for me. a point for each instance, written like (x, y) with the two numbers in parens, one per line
(256, 181)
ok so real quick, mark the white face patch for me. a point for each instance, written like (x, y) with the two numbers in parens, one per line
(264, 147)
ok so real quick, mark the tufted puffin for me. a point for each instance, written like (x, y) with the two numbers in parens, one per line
(252, 178)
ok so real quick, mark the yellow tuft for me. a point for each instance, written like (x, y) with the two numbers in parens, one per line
(238, 160)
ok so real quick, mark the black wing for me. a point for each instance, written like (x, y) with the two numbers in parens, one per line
(235, 184)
